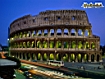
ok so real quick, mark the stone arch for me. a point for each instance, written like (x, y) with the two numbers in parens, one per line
(65, 57)
(79, 57)
(66, 31)
(39, 33)
(80, 32)
(51, 56)
(98, 58)
(58, 57)
(45, 45)
(93, 45)
(80, 46)
(59, 31)
(92, 58)
(58, 44)
(86, 57)
(73, 44)
(39, 56)
(86, 33)
(45, 57)
(86, 46)
(38, 44)
(66, 44)
(20, 55)
(45, 32)
(73, 32)
(28, 56)
(33, 33)
(23, 55)
(72, 57)
(52, 32)
(32, 56)
(51, 44)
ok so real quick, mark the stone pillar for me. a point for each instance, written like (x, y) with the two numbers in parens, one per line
(95, 58)
(48, 32)
(69, 57)
(62, 44)
(55, 56)
(62, 32)
(55, 32)
(89, 58)
(21, 55)
(48, 56)
(48, 43)
(42, 32)
(69, 32)
(90, 45)
(77, 44)
(76, 32)
(76, 58)
(82, 57)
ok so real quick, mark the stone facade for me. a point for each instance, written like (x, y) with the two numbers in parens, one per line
(55, 35)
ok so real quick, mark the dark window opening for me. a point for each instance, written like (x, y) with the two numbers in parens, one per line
(46, 19)
(33, 20)
(59, 18)
(18, 24)
(73, 18)
(24, 22)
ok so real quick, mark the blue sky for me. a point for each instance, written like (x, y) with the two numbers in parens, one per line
(13, 9)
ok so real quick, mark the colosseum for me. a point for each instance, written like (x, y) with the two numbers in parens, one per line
(63, 35)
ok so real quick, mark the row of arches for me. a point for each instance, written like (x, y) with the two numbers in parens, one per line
(52, 32)
(58, 56)
(53, 44)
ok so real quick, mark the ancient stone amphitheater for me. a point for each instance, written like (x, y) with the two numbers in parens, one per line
(64, 35)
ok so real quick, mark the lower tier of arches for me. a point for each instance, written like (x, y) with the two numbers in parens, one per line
(66, 56)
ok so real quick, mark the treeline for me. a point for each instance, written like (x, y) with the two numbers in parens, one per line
(103, 49)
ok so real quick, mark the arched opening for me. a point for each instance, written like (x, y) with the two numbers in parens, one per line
(45, 32)
(92, 57)
(45, 57)
(86, 46)
(28, 44)
(23, 55)
(80, 46)
(98, 58)
(24, 44)
(39, 44)
(66, 45)
(39, 33)
(65, 31)
(72, 57)
(93, 45)
(39, 56)
(20, 55)
(51, 56)
(73, 44)
(28, 56)
(58, 44)
(52, 32)
(33, 33)
(32, 56)
(80, 32)
(85, 58)
(51, 44)
(73, 32)
(58, 57)
(79, 58)
(86, 32)
(59, 31)
(33, 44)
(65, 57)
(45, 44)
